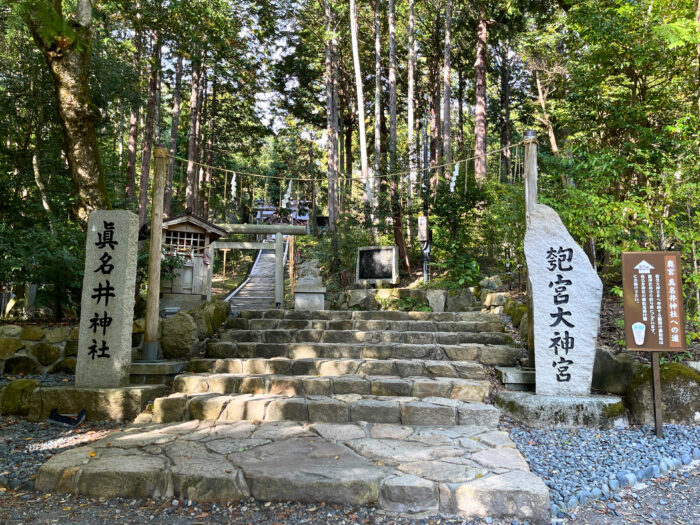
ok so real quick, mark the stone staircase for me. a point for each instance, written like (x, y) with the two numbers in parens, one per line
(410, 368)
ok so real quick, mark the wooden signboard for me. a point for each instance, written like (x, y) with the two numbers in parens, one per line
(652, 288)
(653, 295)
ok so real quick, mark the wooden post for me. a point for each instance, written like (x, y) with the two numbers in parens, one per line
(656, 393)
(291, 262)
(150, 349)
(530, 144)
(279, 271)
(224, 262)
(530, 177)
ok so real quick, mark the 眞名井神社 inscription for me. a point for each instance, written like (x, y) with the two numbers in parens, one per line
(566, 296)
(653, 297)
(104, 347)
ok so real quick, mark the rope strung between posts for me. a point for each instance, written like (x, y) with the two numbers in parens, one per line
(345, 177)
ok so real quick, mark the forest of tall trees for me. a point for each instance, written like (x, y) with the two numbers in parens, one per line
(275, 91)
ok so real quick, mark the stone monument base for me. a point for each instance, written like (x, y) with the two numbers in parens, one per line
(310, 298)
(156, 372)
(116, 404)
(564, 411)
(516, 379)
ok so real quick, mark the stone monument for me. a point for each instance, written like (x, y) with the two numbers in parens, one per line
(566, 294)
(309, 292)
(107, 306)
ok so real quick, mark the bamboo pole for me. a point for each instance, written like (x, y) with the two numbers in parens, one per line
(150, 351)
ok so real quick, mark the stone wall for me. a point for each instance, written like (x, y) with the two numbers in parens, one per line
(36, 349)
(406, 299)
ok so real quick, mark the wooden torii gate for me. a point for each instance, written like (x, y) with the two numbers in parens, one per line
(278, 230)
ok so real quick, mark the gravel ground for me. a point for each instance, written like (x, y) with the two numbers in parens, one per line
(585, 464)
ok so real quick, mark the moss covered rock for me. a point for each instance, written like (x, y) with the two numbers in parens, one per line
(71, 349)
(21, 365)
(460, 300)
(11, 330)
(58, 334)
(518, 312)
(46, 354)
(64, 366)
(16, 396)
(33, 333)
(613, 373)
(9, 346)
(680, 395)
(179, 336)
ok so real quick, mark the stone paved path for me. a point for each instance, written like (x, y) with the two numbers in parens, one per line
(467, 470)
(259, 291)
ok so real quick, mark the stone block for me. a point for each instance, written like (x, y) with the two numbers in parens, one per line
(290, 409)
(320, 386)
(21, 365)
(430, 388)
(466, 390)
(11, 330)
(514, 494)
(614, 372)
(327, 410)
(563, 411)
(169, 409)
(390, 387)
(206, 406)
(375, 411)
(407, 368)
(115, 474)
(350, 385)
(71, 348)
(499, 355)
(427, 414)
(286, 386)
(64, 366)
(377, 368)
(58, 334)
(279, 366)
(408, 494)
(478, 414)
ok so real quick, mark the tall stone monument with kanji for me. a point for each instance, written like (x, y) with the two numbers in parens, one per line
(107, 305)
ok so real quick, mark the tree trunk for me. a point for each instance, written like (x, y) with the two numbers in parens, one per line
(199, 150)
(447, 92)
(148, 131)
(211, 133)
(435, 104)
(360, 109)
(480, 91)
(505, 112)
(410, 101)
(332, 120)
(377, 101)
(134, 118)
(172, 149)
(68, 64)
(348, 155)
(192, 138)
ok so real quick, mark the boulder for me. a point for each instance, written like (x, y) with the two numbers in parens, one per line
(460, 300)
(46, 354)
(65, 366)
(11, 330)
(680, 395)
(519, 312)
(58, 334)
(202, 319)
(16, 397)
(21, 365)
(524, 328)
(70, 349)
(361, 299)
(495, 299)
(437, 299)
(613, 372)
(491, 283)
(9, 346)
(179, 336)
(33, 333)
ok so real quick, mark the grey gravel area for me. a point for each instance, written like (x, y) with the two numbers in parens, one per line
(25, 446)
(44, 379)
(581, 465)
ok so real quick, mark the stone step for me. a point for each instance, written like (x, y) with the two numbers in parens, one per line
(469, 470)
(378, 315)
(357, 336)
(335, 367)
(486, 354)
(490, 324)
(300, 385)
(324, 409)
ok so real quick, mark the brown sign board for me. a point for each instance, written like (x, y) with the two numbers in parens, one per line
(653, 294)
